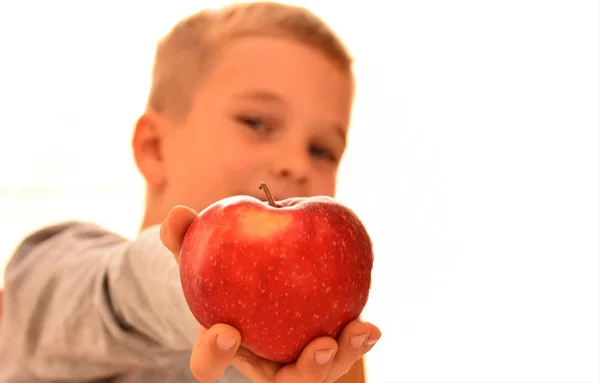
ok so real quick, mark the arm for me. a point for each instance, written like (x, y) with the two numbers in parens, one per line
(81, 303)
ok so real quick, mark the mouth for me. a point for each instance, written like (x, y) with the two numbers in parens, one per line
(258, 193)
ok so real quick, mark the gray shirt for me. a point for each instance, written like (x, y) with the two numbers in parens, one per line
(82, 304)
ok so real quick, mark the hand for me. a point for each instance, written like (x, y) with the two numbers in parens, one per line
(0, 307)
(323, 360)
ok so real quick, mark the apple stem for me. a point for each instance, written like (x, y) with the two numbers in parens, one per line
(263, 186)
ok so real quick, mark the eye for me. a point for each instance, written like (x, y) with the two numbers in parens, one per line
(251, 122)
(321, 152)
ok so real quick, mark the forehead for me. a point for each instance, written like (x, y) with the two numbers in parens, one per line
(300, 74)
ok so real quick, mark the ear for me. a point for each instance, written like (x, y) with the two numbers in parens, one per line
(148, 143)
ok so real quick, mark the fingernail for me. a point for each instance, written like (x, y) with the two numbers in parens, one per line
(371, 342)
(358, 340)
(323, 356)
(225, 343)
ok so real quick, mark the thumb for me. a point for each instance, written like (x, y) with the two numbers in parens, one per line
(214, 351)
(174, 227)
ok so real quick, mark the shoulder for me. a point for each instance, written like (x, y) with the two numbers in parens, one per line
(77, 228)
(69, 237)
(68, 231)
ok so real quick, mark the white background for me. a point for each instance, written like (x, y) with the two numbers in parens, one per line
(473, 161)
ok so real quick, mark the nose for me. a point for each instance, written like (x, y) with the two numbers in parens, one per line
(290, 164)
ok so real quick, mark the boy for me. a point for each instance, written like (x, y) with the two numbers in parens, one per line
(250, 93)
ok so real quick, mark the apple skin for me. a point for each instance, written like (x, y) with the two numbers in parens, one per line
(282, 276)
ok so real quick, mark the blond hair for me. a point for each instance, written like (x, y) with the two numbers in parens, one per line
(188, 50)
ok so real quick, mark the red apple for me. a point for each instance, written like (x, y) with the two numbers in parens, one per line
(281, 273)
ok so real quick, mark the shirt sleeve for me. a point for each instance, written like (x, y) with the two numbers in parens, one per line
(83, 303)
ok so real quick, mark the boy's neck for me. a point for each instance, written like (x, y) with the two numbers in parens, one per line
(150, 219)
(154, 213)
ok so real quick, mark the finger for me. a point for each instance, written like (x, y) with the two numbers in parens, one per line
(213, 352)
(352, 345)
(173, 228)
(375, 335)
(255, 368)
(313, 364)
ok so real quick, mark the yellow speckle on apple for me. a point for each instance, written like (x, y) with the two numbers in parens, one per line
(264, 223)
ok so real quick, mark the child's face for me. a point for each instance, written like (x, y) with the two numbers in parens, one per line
(272, 110)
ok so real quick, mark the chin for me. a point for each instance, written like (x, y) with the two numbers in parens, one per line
(258, 195)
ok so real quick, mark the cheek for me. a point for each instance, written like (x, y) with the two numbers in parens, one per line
(240, 153)
(221, 158)
(187, 176)
(324, 184)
